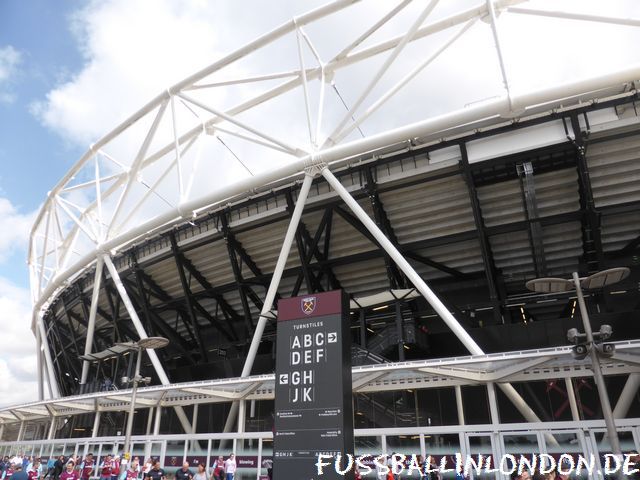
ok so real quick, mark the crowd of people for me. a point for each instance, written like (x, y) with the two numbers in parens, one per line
(23, 467)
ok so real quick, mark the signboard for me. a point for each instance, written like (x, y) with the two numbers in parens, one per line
(313, 385)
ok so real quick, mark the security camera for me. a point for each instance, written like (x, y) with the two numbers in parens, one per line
(124, 380)
(606, 349)
(605, 331)
(580, 351)
(572, 335)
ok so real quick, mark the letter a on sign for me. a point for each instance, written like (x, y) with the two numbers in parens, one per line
(308, 305)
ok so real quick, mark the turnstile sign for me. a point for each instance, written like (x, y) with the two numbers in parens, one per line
(313, 385)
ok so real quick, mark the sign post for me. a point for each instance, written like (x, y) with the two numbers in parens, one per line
(313, 404)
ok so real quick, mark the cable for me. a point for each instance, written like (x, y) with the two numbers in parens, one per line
(333, 84)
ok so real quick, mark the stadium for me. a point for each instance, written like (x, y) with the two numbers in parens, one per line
(196, 214)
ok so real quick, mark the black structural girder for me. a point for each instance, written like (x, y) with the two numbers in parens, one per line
(309, 253)
(437, 265)
(230, 314)
(485, 246)
(72, 330)
(176, 340)
(237, 274)
(110, 292)
(591, 236)
(314, 251)
(188, 299)
(530, 201)
(395, 276)
(629, 247)
(312, 283)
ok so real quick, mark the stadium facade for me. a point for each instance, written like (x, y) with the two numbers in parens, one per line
(433, 228)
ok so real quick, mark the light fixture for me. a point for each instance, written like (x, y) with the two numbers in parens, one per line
(382, 307)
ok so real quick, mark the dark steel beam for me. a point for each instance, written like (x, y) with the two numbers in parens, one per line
(437, 265)
(309, 278)
(485, 246)
(394, 275)
(230, 314)
(591, 235)
(528, 189)
(237, 274)
(186, 290)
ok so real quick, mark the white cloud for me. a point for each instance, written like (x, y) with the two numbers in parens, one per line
(15, 227)
(18, 353)
(9, 60)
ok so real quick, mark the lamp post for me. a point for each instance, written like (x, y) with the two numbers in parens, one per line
(595, 281)
(150, 343)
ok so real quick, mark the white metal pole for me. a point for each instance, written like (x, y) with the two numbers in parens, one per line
(627, 396)
(150, 421)
(97, 280)
(493, 403)
(135, 319)
(242, 414)
(459, 405)
(132, 406)
(156, 423)
(1, 431)
(53, 384)
(597, 375)
(21, 431)
(422, 287)
(96, 424)
(575, 414)
(273, 288)
(52, 428)
(40, 373)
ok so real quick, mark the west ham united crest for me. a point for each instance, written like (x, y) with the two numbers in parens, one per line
(308, 305)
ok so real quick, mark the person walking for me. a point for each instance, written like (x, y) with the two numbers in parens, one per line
(19, 473)
(106, 468)
(201, 473)
(87, 467)
(230, 467)
(218, 469)
(132, 472)
(156, 473)
(70, 473)
(184, 473)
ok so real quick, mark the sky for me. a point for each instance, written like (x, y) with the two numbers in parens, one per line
(70, 70)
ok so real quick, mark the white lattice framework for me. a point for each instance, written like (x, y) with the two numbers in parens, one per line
(146, 175)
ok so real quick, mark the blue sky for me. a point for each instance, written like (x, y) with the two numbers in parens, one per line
(33, 157)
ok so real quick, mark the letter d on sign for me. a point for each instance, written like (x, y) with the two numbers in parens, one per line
(607, 463)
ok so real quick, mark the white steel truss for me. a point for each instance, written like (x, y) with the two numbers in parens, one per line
(110, 196)
(522, 366)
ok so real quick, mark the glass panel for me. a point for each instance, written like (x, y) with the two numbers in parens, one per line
(482, 445)
(246, 459)
(173, 456)
(476, 404)
(267, 457)
(368, 446)
(197, 453)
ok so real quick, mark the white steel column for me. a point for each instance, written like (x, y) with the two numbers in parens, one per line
(493, 403)
(242, 415)
(422, 287)
(97, 280)
(40, 372)
(1, 430)
(149, 421)
(156, 423)
(52, 428)
(21, 431)
(96, 424)
(162, 375)
(51, 377)
(575, 414)
(627, 396)
(459, 405)
(273, 289)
